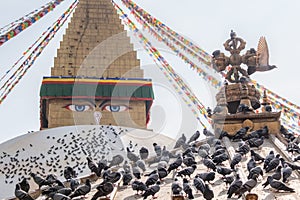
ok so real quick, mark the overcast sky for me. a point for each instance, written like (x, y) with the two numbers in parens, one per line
(207, 23)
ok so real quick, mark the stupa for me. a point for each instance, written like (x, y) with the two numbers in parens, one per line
(238, 101)
(96, 77)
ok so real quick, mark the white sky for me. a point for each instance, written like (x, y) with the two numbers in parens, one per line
(207, 23)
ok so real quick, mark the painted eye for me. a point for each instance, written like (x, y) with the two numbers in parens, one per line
(115, 108)
(78, 108)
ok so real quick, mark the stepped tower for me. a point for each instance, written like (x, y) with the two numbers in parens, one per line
(96, 77)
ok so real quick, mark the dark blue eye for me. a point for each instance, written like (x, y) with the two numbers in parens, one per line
(78, 108)
(115, 108)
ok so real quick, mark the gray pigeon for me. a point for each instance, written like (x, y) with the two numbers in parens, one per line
(279, 185)
(21, 194)
(194, 137)
(176, 187)
(152, 190)
(286, 172)
(116, 160)
(104, 189)
(82, 190)
(247, 186)
(236, 159)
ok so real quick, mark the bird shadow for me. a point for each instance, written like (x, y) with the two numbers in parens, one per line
(132, 197)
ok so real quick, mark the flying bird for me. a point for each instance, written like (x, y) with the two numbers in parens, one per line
(262, 56)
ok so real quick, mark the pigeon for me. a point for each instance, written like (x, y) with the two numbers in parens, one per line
(131, 156)
(180, 141)
(187, 171)
(189, 161)
(152, 179)
(144, 153)
(256, 142)
(208, 193)
(69, 173)
(207, 133)
(224, 171)
(141, 164)
(228, 179)
(152, 190)
(234, 186)
(209, 164)
(93, 166)
(273, 163)
(39, 180)
(235, 160)
(177, 163)
(81, 190)
(243, 148)
(241, 133)
(136, 172)
(256, 156)
(176, 187)
(103, 189)
(138, 186)
(279, 185)
(251, 164)
(286, 172)
(276, 175)
(24, 185)
(194, 137)
(59, 196)
(127, 177)
(74, 184)
(162, 172)
(187, 189)
(21, 194)
(220, 158)
(247, 186)
(243, 108)
(255, 171)
(116, 160)
(262, 54)
(268, 158)
(157, 149)
(126, 166)
(111, 177)
(207, 176)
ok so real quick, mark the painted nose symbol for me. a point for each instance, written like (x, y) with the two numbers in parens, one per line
(97, 117)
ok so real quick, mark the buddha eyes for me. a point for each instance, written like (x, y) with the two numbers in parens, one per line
(115, 108)
(78, 107)
(106, 107)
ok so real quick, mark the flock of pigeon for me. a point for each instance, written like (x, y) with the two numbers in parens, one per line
(191, 168)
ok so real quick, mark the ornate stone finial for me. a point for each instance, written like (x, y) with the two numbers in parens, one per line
(266, 103)
(255, 60)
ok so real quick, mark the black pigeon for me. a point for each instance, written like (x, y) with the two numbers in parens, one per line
(162, 172)
(152, 179)
(234, 186)
(177, 163)
(127, 177)
(268, 158)
(208, 193)
(39, 180)
(251, 164)
(220, 158)
(256, 156)
(235, 160)
(276, 175)
(241, 133)
(243, 108)
(69, 173)
(176, 187)
(144, 153)
(103, 190)
(152, 190)
(224, 171)
(228, 179)
(255, 171)
(131, 156)
(194, 137)
(21, 194)
(111, 177)
(247, 186)
(24, 185)
(207, 176)
(187, 171)
(116, 160)
(273, 163)
(256, 142)
(157, 149)
(82, 190)
(286, 172)
(93, 166)
(74, 184)
(279, 185)
(187, 189)
(243, 148)
(209, 164)
(189, 161)
(138, 186)
(199, 184)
